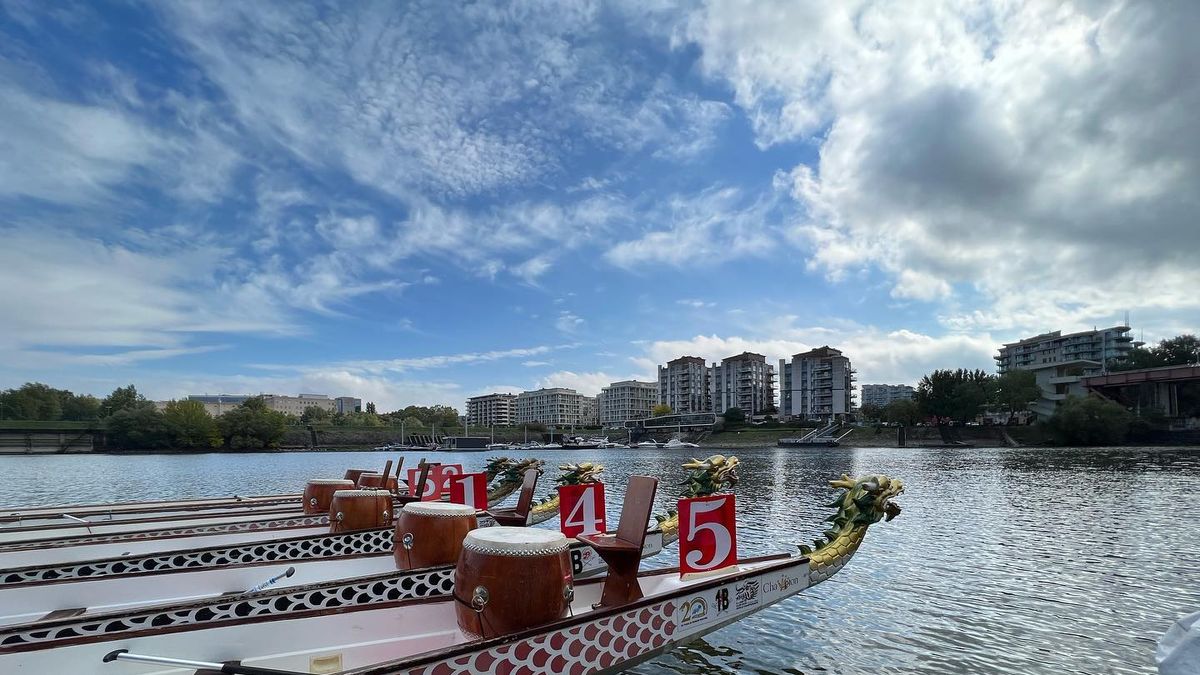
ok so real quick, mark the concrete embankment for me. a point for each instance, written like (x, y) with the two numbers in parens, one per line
(883, 437)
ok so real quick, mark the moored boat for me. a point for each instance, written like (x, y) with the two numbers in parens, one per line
(580, 626)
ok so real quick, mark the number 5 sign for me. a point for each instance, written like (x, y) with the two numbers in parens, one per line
(581, 509)
(707, 535)
(469, 489)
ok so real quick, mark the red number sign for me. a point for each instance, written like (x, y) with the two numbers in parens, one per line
(707, 534)
(438, 483)
(469, 489)
(581, 509)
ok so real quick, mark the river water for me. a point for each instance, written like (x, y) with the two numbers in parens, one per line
(1003, 561)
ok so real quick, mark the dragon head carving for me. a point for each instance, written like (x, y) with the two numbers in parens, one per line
(866, 501)
(583, 472)
(510, 470)
(710, 475)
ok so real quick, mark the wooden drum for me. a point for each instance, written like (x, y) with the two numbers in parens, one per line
(431, 533)
(511, 578)
(318, 494)
(372, 479)
(359, 510)
(353, 474)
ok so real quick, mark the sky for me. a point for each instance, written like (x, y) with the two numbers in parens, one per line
(418, 202)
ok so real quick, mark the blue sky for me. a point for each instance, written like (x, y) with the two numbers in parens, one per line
(419, 202)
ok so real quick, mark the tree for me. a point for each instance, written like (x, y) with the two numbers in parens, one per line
(371, 407)
(904, 412)
(870, 411)
(33, 401)
(660, 410)
(314, 414)
(137, 428)
(123, 398)
(1015, 390)
(1089, 420)
(80, 407)
(189, 425)
(956, 394)
(734, 416)
(1180, 350)
(252, 424)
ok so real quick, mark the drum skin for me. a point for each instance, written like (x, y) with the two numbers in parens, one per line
(523, 589)
(353, 474)
(431, 533)
(352, 510)
(319, 493)
(370, 480)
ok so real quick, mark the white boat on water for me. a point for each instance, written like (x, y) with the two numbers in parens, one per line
(676, 443)
(649, 444)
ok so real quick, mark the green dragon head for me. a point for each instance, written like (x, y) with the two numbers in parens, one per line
(510, 470)
(709, 476)
(865, 501)
(583, 472)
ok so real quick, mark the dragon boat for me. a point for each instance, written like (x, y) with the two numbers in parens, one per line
(511, 604)
(506, 475)
(122, 583)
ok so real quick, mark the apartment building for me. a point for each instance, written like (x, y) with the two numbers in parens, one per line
(626, 400)
(348, 404)
(816, 385)
(880, 395)
(1060, 362)
(292, 405)
(492, 410)
(744, 381)
(589, 411)
(556, 406)
(683, 384)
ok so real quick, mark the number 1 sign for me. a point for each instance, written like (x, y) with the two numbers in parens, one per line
(469, 489)
(581, 509)
(707, 535)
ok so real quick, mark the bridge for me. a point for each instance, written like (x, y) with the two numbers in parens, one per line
(1173, 390)
(31, 437)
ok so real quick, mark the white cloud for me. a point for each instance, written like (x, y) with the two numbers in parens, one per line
(1041, 158)
(694, 303)
(568, 322)
(535, 364)
(402, 365)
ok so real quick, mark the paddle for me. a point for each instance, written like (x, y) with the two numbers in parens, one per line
(387, 471)
(272, 581)
(230, 668)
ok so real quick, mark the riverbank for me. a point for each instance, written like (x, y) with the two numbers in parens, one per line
(883, 437)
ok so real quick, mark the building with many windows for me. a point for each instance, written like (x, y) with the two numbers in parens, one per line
(589, 411)
(816, 385)
(745, 382)
(627, 400)
(292, 405)
(492, 410)
(683, 385)
(348, 404)
(556, 406)
(880, 395)
(1060, 362)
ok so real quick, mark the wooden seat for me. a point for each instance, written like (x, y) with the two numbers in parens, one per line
(519, 516)
(622, 550)
(414, 494)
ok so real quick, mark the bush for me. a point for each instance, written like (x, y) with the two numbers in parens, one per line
(139, 428)
(1089, 421)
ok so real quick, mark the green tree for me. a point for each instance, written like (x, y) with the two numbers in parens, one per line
(137, 428)
(904, 412)
(660, 410)
(123, 398)
(371, 407)
(32, 401)
(870, 411)
(252, 424)
(734, 416)
(1181, 350)
(1015, 390)
(955, 394)
(1089, 420)
(314, 414)
(190, 426)
(80, 407)
(363, 419)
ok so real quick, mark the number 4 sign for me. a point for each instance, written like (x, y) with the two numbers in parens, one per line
(581, 509)
(707, 535)
(469, 489)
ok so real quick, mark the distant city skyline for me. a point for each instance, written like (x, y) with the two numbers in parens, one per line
(216, 197)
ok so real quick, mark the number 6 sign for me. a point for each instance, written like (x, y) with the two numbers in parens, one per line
(581, 509)
(707, 535)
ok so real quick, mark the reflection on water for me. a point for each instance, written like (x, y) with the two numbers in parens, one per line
(1004, 560)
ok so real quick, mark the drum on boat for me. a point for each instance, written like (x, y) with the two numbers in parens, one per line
(353, 474)
(318, 493)
(431, 533)
(372, 479)
(511, 578)
(359, 510)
